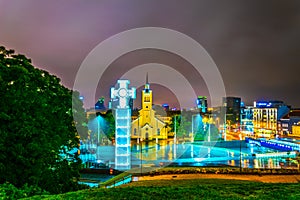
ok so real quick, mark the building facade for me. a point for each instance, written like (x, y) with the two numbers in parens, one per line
(266, 115)
(247, 119)
(296, 130)
(288, 121)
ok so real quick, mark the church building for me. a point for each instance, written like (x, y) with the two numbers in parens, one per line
(148, 126)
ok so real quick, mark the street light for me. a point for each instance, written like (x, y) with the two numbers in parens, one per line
(141, 150)
(240, 155)
(175, 129)
(192, 139)
(98, 138)
(208, 132)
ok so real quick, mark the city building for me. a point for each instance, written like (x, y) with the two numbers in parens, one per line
(286, 123)
(266, 115)
(100, 105)
(232, 107)
(147, 126)
(296, 130)
(202, 104)
(166, 107)
(246, 125)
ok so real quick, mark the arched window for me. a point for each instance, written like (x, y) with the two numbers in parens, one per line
(134, 131)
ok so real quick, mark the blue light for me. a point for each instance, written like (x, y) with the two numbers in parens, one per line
(271, 144)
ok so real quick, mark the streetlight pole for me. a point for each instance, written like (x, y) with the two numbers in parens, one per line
(240, 156)
(98, 138)
(208, 132)
(193, 124)
(225, 127)
(141, 150)
(175, 130)
(192, 128)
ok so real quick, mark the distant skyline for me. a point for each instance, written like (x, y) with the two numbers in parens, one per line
(255, 44)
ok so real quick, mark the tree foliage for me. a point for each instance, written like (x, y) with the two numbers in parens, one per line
(37, 130)
(181, 124)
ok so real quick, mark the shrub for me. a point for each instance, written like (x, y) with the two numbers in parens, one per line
(9, 191)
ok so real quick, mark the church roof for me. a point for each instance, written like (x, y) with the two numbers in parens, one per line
(147, 125)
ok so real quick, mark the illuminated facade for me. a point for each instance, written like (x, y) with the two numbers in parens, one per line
(296, 130)
(288, 121)
(247, 119)
(265, 119)
(266, 115)
(148, 126)
(123, 124)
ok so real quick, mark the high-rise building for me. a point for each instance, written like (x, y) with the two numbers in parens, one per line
(202, 104)
(100, 105)
(233, 110)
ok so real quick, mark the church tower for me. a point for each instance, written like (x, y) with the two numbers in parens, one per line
(147, 126)
(147, 102)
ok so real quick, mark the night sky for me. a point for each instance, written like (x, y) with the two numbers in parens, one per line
(255, 44)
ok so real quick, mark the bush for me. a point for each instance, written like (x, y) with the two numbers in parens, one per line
(9, 191)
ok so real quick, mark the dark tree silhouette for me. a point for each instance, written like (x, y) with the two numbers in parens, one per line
(37, 129)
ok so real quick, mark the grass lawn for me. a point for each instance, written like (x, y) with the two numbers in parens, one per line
(189, 189)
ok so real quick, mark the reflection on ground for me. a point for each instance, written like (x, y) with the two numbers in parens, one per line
(166, 152)
(190, 154)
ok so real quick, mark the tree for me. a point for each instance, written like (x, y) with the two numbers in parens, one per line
(37, 129)
(109, 128)
(183, 124)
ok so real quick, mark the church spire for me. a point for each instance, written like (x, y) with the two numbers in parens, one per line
(147, 78)
(147, 85)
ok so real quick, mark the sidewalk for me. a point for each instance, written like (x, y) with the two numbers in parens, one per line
(263, 178)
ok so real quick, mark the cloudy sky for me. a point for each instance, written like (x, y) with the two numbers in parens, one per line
(255, 44)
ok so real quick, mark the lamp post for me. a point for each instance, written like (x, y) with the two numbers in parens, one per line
(240, 155)
(175, 139)
(141, 150)
(208, 132)
(192, 128)
(98, 135)
(175, 130)
(192, 140)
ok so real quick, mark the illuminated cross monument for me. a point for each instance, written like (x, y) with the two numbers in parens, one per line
(123, 124)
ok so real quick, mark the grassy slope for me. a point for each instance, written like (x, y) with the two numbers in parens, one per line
(189, 189)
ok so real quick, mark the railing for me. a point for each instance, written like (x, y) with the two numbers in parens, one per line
(123, 180)
(275, 144)
(118, 180)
